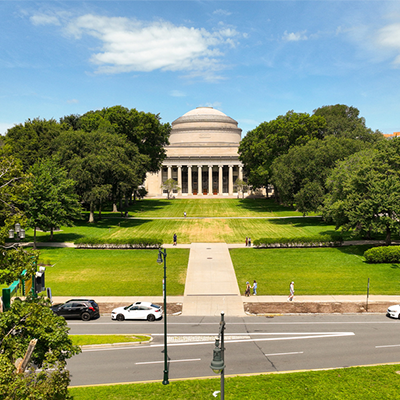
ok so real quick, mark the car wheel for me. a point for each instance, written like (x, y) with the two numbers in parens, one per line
(120, 317)
(85, 316)
(151, 318)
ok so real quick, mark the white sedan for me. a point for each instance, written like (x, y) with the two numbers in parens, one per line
(138, 310)
(394, 311)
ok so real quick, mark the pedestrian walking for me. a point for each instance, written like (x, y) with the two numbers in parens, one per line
(247, 241)
(291, 289)
(175, 239)
(247, 292)
(184, 214)
(254, 288)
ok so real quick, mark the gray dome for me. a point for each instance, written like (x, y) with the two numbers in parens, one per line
(204, 125)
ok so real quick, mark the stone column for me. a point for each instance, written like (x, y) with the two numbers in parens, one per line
(160, 182)
(210, 183)
(240, 173)
(169, 171)
(230, 184)
(220, 179)
(180, 179)
(200, 180)
(190, 190)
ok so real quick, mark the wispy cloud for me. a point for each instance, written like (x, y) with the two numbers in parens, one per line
(222, 12)
(389, 37)
(177, 93)
(294, 36)
(131, 45)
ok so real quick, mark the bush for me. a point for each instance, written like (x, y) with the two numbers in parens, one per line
(309, 241)
(132, 243)
(383, 254)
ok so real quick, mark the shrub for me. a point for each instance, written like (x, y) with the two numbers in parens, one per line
(132, 243)
(383, 254)
(309, 241)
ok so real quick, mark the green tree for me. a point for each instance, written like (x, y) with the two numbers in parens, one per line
(299, 176)
(32, 141)
(261, 146)
(241, 186)
(145, 130)
(26, 320)
(364, 191)
(344, 121)
(52, 201)
(170, 185)
(103, 164)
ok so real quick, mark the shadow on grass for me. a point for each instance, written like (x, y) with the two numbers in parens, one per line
(263, 205)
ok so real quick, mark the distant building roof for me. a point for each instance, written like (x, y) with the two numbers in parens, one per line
(391, 135)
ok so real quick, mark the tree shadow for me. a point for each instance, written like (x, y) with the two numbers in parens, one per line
(263, 205)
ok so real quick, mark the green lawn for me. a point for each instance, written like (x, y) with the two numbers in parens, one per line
(190, 230)
(113, 272)
(359, 383)
(315, 271)
(84, 340)
(150, 208)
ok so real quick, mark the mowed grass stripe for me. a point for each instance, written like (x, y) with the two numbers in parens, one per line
(316, 271)
(113, 272)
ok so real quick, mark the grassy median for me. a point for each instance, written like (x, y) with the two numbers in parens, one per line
(358, 383)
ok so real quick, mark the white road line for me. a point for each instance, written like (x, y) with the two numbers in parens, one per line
(390, 345)
(169, 361)
(284, 354)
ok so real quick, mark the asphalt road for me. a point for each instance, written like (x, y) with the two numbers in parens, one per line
(253, 345)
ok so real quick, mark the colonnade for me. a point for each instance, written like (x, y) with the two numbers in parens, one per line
(200, 179)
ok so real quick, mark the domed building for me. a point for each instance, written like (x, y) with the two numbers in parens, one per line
(202, 155)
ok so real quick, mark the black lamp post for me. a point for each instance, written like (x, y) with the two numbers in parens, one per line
(218, 361)
(162, 256)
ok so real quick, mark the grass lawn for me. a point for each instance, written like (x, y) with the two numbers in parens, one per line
(84, 340)
(359, 383)
(190, 230)
(316, 271)
(150, 208)
(113, 272)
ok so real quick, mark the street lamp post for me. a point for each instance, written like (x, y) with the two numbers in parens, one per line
(18, 232)
(162, 256)
(218, 361)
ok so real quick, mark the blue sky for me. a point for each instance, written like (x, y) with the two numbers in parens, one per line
(253, 60)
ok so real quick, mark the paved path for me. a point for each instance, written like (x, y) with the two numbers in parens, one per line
(211, 285)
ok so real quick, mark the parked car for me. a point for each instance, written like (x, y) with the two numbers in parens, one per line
(138, 310)
(83, 309)
(393, 311)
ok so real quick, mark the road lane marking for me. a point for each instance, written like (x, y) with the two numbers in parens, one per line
(389, 345)
(284, 354)
(169, 361)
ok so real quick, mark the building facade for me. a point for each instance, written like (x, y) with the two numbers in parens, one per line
(202, 156)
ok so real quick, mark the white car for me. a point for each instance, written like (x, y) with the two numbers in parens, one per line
(138, 310)
(393, 311)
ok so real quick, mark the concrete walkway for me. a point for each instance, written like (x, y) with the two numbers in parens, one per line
(211, 285)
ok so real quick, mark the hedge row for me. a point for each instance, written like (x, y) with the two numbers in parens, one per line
(383, 254)
(316, 241)
(133, 243)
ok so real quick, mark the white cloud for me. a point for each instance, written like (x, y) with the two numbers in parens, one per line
(44, 19)
(389, 37)
(177, 93)
(294, 36)
(222, 12)
(131, 45)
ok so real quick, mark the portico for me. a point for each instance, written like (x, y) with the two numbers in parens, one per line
(202, 156)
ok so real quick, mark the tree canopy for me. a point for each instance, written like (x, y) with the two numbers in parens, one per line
(364, 191)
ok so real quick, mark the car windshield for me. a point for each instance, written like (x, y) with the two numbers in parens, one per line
(155, 306)
(130, 305)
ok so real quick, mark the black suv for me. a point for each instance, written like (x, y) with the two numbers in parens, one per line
(77, 308)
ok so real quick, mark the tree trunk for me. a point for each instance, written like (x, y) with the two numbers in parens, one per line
(34, 238)
(51, 234)
(91, 213)
(115, 207)
(388, 236)
(100, 210)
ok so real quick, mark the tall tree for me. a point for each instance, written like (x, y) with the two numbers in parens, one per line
(52, 201)
(261, 146)
(299, 176)
(103, 164)
(32, 141)
(364, 191)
